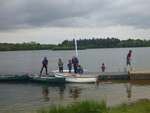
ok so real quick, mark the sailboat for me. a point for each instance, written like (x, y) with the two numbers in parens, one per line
(76, 77)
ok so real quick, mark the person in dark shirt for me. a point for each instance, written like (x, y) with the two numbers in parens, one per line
(80, 69)
(75, 63)
(69, 65)
(103, 67)
(44, 65)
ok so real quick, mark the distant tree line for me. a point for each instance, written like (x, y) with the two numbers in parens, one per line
(82, 44)
(24, 46)
(104, 43)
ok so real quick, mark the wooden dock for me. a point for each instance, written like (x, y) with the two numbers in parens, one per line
(113, 76)
(139, 75)
(132, 75)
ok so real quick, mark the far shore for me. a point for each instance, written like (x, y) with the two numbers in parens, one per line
(95, 43)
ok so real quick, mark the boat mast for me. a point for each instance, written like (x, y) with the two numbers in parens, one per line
(76, 48)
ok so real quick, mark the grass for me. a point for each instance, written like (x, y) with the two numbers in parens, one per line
(142, 106)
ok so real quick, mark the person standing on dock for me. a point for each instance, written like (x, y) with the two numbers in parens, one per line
(44, 65)
(129, 58)
(129, 68)
(69, 65)
(75, 63)
(103, 67)
(60, 65)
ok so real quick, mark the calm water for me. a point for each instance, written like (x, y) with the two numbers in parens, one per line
(26, 98)
(114, 59)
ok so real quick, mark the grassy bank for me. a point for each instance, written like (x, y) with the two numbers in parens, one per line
(142, 106)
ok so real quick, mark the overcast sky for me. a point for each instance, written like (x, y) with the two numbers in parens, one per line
(51, 21)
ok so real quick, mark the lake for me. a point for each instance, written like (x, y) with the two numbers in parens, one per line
(27, 97)
(13, 62)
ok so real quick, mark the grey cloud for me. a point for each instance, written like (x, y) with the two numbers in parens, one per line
(16, 14)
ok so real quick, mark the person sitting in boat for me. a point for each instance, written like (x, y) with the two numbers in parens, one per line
(80, 69)
(60, 65)
(103, 67)
(75, 63)
(44, 65)
(69, 65)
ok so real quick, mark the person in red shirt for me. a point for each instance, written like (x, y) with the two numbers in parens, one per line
(129, 57)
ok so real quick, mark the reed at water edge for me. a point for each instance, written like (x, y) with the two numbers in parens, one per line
(142, 106)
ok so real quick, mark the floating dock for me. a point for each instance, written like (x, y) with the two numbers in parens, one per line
(132, 75)
(113, 76)
(139, 75)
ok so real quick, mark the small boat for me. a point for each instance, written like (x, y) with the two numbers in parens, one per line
(76, 78)
(47, 79)
(81, 79)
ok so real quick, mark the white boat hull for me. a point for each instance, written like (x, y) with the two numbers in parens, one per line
(81, 79)
(77, 78)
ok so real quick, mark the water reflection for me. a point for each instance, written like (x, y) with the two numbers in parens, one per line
(61, 92)
(18, 96)
(45, 93)
(75, 92)
(129, 90)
